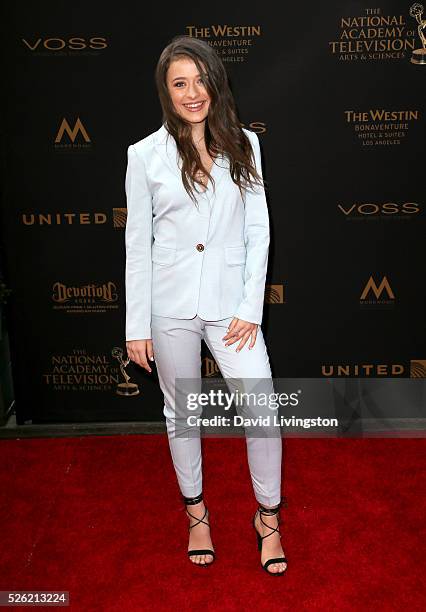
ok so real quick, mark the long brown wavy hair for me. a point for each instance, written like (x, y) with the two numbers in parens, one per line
(223, 131)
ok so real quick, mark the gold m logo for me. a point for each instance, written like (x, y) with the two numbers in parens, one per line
(377, 290)
(72, 133)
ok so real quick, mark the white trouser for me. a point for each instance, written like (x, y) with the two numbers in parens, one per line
(177, 353)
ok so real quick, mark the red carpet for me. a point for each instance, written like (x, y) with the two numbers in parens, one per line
(101, 517)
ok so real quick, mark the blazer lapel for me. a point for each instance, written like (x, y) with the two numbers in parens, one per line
(165, 146)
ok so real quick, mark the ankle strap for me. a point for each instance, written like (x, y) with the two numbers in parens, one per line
(191, 501)
(273, 511)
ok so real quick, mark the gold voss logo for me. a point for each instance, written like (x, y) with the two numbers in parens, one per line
(57, 43)
(371, 209)
(256, 126)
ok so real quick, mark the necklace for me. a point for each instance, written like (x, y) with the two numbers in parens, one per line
(202, 177)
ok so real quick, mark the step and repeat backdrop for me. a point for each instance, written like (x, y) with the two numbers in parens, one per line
(336, 93)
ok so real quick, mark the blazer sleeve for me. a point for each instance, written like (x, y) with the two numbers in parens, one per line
(138, 241)
(256, 238)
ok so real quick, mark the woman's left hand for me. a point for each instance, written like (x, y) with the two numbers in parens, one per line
(239, 329)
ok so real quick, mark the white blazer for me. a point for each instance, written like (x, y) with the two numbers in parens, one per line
(182, 261)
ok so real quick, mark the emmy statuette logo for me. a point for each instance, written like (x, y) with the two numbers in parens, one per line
(127, 388)
(418, 56)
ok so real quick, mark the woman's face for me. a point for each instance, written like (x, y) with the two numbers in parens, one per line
(187, 92)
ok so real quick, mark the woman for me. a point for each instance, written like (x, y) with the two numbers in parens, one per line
(197, 240)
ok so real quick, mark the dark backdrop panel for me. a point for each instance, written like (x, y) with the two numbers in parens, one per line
(344, 210)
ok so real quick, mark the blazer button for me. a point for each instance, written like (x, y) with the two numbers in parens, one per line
(200, 247)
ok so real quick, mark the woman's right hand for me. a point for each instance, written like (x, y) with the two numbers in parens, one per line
(140, 351)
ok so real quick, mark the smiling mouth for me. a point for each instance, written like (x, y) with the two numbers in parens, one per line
(194, 106)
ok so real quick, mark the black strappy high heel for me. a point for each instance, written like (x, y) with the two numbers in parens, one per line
(191, 501)
(269, 512)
